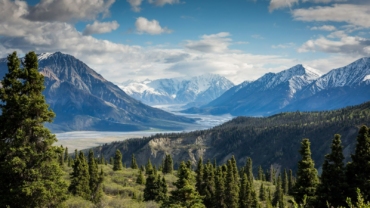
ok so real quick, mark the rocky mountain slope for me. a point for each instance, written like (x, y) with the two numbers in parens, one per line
(196, 90)
(273, 140)
(83, 100)
(298, 88)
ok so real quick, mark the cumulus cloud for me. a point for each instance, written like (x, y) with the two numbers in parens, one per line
(163, 2)
(68, 10)
(100, 27)
(135, 5)
(324, 28)
(278, 4)
(214, 43)
(344, 45)
(350, 13)
(151, 27)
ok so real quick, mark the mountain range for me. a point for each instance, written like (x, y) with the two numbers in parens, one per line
(83, 100)
(194, 91)
(299, 88)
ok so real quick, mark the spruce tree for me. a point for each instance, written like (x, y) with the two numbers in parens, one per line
(262, 193)
(208, 187)
(151, 190)
(199, 176)
(148, 167)
(117, 163)
(358, 171)
(95, 179)
(332, 187)
(260, 173)
(285, 184)
(307, 179)
(249, 170)
(30, 175)
(163, 189)
(140, 178)
(185, 194)
(231, 186)
(168, 165)
(80, 178)
(245, 193)
(278, 199)
(220, 197)
(291, 182)
(66, 155)
(133, 162)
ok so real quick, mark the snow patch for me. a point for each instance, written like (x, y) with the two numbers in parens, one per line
(44, 56)
(367, 77)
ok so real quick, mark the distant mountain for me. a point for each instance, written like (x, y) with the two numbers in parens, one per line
(271, 91)
(83, 100)
(298, 88)
(269, 141)
(195, 90)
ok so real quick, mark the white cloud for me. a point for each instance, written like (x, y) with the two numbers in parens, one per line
(152, 27)
(163, 2)
(68, 10)
(214, 43)
(278, 4)
(256, 36)
(283, 46)
(324, 28)
(350, 13)
(100, 27)
(135, 5)
(323, 1)
(352, 45)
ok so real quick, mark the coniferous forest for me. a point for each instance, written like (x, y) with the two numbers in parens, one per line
(34, 173)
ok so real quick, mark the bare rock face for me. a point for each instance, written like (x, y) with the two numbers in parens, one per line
(83, 100)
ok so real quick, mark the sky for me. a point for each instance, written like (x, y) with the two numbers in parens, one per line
(152, 39)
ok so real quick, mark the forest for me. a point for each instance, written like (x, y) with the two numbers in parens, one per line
(34, 173)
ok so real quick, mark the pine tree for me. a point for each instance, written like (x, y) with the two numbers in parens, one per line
(66, 155)
(185, 194)
(140, 178)
(95, 179)
(231, 186)
(249, 170)
(163, 189)
(332, 187)
(285, 184)
(358, 171)
(307, 179)
(30, 175)
(80, 178)
(208, 187)
(151, 190)
(133, 162)
(278, 199)
(168, 165)
(260, 173)
(199, 176)
(245, 193)
(117, 163)
(220, 197)
(262, 194)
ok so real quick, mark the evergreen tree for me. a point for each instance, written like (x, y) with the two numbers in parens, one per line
(285, 184)
(151, 190)
(66, 155)
(208, 187)
(220, 197)
(148, 167)
(290, 182)
(162, 192)
(358, 171)
(231, 186)
(133, 162)
(260, 173)
(185, 194)
(307, 179)
(111, 160)
(332, 187)
(199, 176)
(80, 178)
(167, 165)
(95, 179)
(61, 156)
(262, 194)
(245, 194)
(117, 163)
(254, 199)
(249, 170)
(278, 200)
(30, 175)
(140, 178)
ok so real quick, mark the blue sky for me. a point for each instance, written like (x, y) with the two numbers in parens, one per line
(239, 39)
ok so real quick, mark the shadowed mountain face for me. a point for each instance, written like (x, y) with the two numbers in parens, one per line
(298, 88)
(83, 100)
